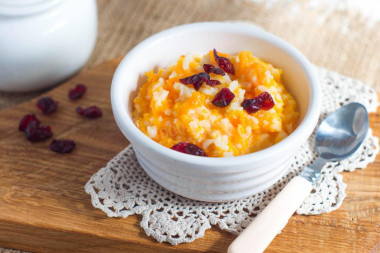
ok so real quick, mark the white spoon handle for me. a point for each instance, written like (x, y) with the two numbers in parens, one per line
(258, 235)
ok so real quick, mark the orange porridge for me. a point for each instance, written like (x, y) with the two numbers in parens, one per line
(223, 111)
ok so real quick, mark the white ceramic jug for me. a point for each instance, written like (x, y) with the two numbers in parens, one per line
(43, 42)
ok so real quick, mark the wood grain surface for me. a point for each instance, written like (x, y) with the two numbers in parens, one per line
(44, 208)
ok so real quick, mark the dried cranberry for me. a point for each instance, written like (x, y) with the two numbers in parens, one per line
(196, 80)
(26, 120)
(77, 91)
(34, 132)
(188, 148)
(212, 69)
(91, 112)
(47, 105)
(223, 98)
(268, 101)
(263, 101)
(212, 82)
(224, 63)
(62, 146)
(251, 105)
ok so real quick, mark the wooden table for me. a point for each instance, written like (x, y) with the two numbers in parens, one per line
(33, 205)
(43, 206)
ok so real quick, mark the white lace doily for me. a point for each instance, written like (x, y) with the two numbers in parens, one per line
(122, 188)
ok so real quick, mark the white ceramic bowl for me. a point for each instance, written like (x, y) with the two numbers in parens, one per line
(43, 42)
(206, 178)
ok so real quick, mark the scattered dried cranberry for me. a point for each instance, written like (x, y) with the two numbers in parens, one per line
(91, 112)
(26, 120)
(62, 146)
(223, 98)
(196, 80)
(224, 63)
(212, 69)
(263, 101)
(47, 105)
(188, 148)
(34, 132)
(212, 82)
(77, 91)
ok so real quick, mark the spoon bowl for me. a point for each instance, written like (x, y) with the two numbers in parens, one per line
(342, 132)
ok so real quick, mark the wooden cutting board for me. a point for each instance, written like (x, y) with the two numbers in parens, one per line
(44, 208)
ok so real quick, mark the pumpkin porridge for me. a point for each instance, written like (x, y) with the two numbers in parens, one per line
(216, 105)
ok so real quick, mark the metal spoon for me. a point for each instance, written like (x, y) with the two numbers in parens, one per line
(338, 137)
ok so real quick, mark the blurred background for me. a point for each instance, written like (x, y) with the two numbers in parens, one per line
(340, 35)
